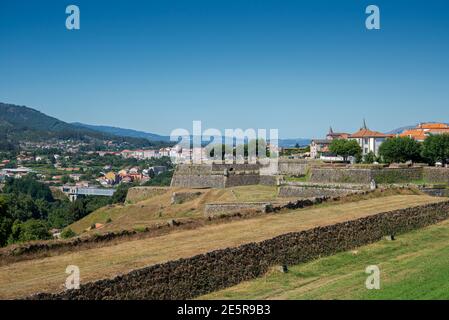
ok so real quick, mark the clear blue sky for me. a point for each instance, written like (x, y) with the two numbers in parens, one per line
(299, 66)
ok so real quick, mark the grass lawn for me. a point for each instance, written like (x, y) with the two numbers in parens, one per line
(414, 266)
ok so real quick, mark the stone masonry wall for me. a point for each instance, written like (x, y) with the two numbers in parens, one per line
(205, 273)
(214, 209)
(215, 175)
(308, 192)
(270, 180)
(340, 175)
(436, 192)
(206, 181)
(397, 175)
(294, 167)
(241, 180)
(239, 167)
(436, 175)
(364, 176)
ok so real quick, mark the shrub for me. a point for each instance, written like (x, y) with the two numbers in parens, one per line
(369, 158)
(436, 149)
(29, 230)
(68, 233)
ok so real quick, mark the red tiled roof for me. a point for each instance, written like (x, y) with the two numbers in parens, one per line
(364, 133)
(433, 126)
(421, 134)
(340, 135)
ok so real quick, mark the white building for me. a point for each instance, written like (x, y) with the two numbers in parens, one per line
(369, 140)
(317, 146)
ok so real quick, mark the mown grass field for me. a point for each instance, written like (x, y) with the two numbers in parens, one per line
(48, 274)
(414, 266)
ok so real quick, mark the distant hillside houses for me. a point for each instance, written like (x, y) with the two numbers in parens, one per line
(16, 173)
(177, 154)
(133, 174)
(143, 154)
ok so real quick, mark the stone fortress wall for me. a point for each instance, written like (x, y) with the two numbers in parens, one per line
(293, 167)
(215, 175)
(271, 173)
(364, 176)
(308, 192)
(436, 175)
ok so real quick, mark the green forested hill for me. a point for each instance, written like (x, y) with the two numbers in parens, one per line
(22, 117)
(20, 123)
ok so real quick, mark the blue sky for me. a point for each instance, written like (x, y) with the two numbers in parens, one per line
(299, 66)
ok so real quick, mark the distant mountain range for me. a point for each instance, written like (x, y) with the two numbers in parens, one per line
(123, 132)
(400, 130)
(155, 137)
(20, 123)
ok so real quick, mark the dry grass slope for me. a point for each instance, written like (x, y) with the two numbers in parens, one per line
(48, 274)
(158, 209)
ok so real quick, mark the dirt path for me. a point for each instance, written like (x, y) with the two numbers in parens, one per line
(48, 274)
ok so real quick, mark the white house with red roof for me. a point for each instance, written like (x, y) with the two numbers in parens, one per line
(369, 140)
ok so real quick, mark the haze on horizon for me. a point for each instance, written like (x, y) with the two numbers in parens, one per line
(299, 66)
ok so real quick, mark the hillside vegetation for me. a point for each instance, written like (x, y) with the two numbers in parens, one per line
(124, 132)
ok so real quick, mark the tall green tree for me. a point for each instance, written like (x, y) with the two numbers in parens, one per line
(163, 179)
(28, 231)
(30, 186)
(436, 149)
(345, 148)
(6, 221)
(121, 192)
(400, 149)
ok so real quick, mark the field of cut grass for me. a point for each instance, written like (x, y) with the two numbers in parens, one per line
(414, 266)
(48, 274)
(158, 209)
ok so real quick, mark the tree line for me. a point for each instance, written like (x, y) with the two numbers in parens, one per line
(397, 150)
